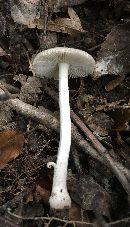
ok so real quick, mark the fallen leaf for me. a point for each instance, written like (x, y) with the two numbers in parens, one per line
(24, 12)
(114, 83)
(122, 119)
(89, 195)
(29, 14)
(75, 212)
(2, 52)
(30, 90)
(48, 41)
(11, 144)
(111, 105)
(31, 20)
(7, 221)
(114, 55)
(3, 95)
(65, 25)
(29, 197)
(100, 123)
(43, 187)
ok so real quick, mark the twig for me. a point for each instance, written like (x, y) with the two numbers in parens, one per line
(102, 151)
(8, 222)
(113, 105)
(115, 166)
(10, 87)
(48, 219)
(116, 223)
(47, 118)
(7, 93)
(88, 133)
(97, 47)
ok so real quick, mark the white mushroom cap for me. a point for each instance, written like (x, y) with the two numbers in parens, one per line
(46, 63)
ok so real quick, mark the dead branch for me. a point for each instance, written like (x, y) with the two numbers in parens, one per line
(102, 151)
(47, 118)
(99, 147)
(49, 219)
(114, 223)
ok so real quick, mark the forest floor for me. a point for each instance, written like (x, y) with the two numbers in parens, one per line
(99, 163)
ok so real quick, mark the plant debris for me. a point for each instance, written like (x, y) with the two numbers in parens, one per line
(95, 123)
(70, 25)
(88, 196)
(99, 163)
(114, 56)
(2, 52)
(11, 145)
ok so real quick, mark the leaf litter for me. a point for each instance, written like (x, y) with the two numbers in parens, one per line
(11, 146)
(103, 105)
(114, 55)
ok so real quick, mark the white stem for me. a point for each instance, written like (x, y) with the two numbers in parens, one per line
(59, 197)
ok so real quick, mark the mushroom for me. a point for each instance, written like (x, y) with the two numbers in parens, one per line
(75, 63)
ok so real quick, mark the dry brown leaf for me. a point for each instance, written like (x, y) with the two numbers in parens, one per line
(122, 119)
(89, 195)
(7, 220)
(69, 25)
(29, 197)
(11, 144)
(73, 15)
(111, 105)
(75, 212)
(2, 52)
(43, 187)
(114, 83)
(65, 25)
(100, 123)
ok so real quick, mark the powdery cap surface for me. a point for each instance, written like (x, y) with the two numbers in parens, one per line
(45, 64)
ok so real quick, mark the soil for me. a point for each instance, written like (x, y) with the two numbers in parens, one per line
(101, 101)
